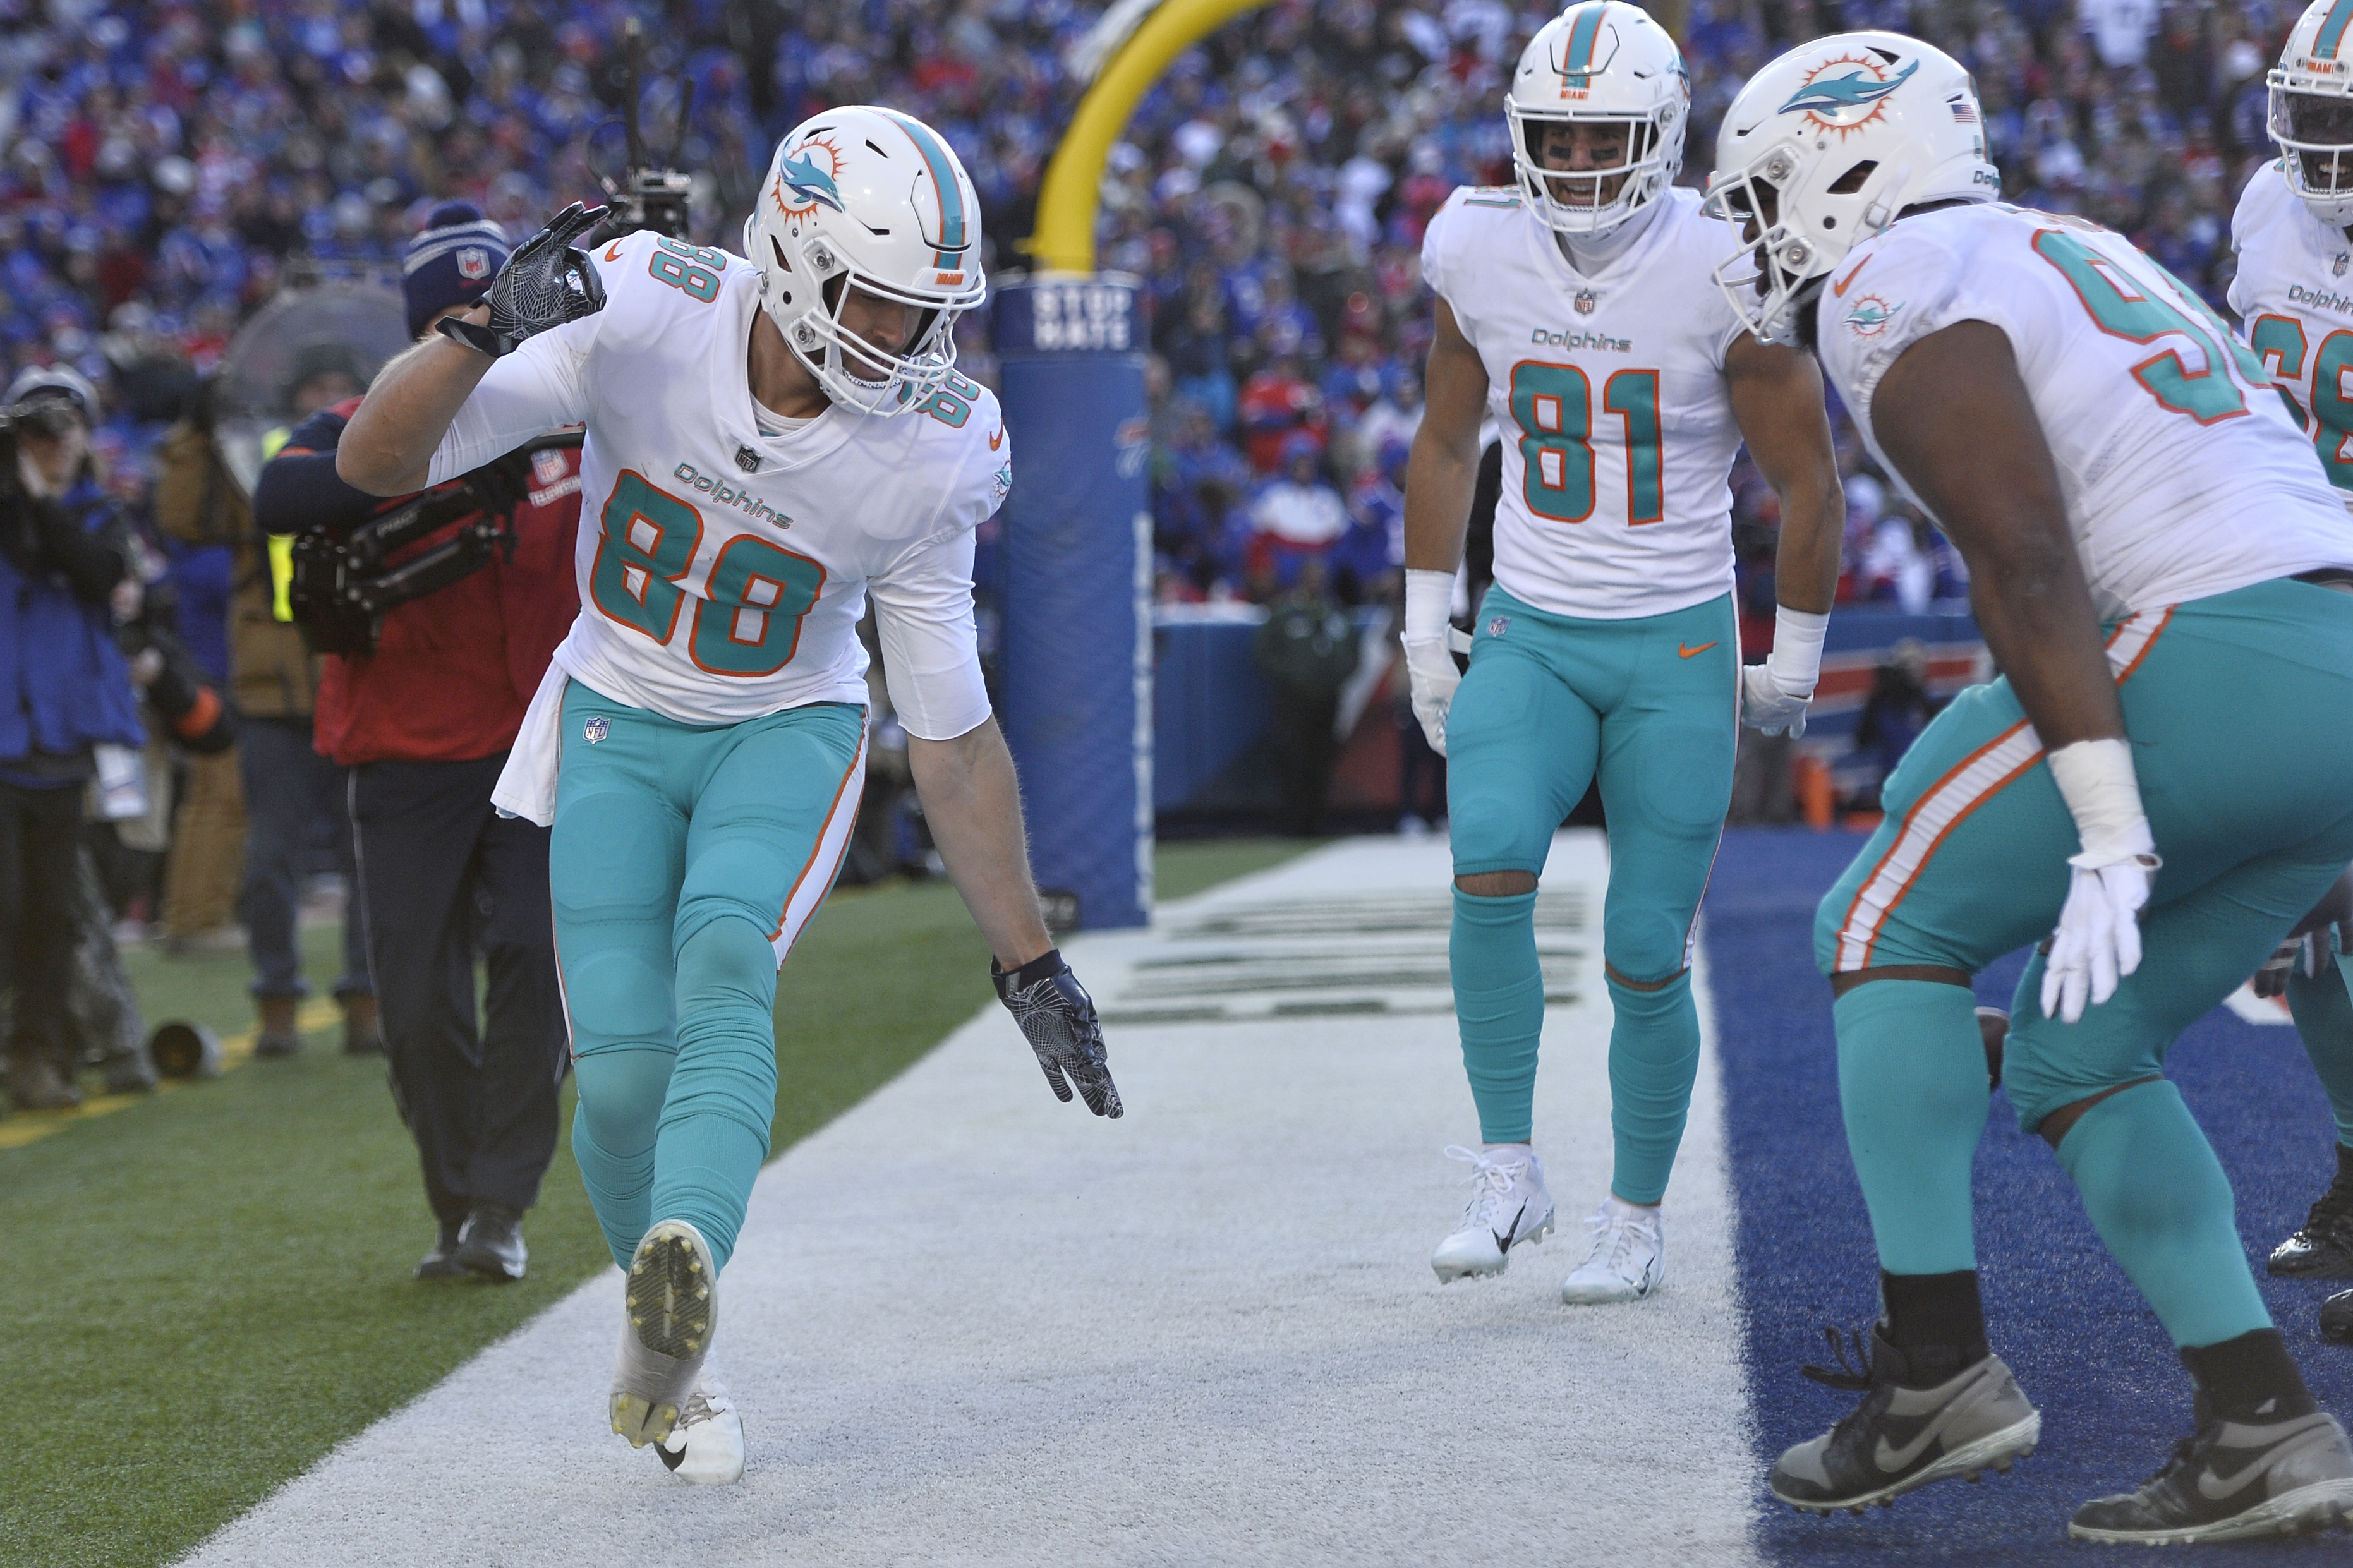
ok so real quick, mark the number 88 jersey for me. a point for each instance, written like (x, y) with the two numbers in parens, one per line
(2182, 473)
(2294, 293)
(1609, 394)
(723, 571)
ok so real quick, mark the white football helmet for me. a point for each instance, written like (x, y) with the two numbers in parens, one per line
(2312, 111)
(875, 198)
(1823, 149)
(1601, 61)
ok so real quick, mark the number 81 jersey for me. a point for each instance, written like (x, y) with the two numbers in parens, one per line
(723, 571)
(2294, 291)
(1609, 393)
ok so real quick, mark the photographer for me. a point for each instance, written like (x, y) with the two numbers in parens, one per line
(425, 720)
(65, 574)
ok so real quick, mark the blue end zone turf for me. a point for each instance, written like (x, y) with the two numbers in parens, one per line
(2087, 1351)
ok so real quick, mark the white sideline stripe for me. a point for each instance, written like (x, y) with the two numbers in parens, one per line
(1957, 794)
(969, 1325)
(832, 844)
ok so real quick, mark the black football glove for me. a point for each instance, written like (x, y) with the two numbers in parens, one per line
(1058, 1017)
(545, 283)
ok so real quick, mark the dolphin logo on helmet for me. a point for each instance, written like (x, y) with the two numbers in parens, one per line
(1855, 89)
(809, 183)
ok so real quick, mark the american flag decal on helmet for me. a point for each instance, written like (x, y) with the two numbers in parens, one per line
(1964, 111)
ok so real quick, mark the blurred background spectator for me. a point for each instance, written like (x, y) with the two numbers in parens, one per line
(165, 167)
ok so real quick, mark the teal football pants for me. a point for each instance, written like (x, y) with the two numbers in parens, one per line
(2240, 709)
(685, 860)
(1650, 706)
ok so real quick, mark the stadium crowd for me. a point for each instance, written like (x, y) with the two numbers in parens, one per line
(164, 168)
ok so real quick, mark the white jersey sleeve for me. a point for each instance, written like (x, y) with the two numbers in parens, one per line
(2295, 300)
(542, 386)
(2168, 440)
(922, 601)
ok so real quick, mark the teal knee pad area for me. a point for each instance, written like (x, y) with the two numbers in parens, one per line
(721, 1094)
(1499, 1004)
(613, 1133)
(2160, 1200)
(2324, 1019)
(1653, 1057)
(1911, 1085)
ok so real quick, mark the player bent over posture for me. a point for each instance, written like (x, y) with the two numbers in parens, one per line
(1580, 304)
(2149, 541)
(2291, 231)
(768, 443)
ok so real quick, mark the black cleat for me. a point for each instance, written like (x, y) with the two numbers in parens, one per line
(2322, 1247)
(441, 1262)
(1902, 1438)
(2234, 1481)
(2336, 1318)
(490, 1247)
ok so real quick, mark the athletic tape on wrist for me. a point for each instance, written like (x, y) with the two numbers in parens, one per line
(1428, 597)
(2096, 778)
(1796, 660)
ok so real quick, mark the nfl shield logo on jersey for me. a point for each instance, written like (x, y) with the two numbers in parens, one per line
(2336, 268)
(597, 729)
(747, 460)
(1498, 624)
(1586, 301)
(473, 263)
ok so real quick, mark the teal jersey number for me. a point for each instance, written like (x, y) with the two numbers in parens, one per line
(1552, 406)
(2121, 309)
(2278, 345)
(1634, 394)
(648, 544)
(748, 620)
(691, 267)
(2332, 411)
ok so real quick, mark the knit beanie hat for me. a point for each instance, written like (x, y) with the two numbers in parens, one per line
(451, 262)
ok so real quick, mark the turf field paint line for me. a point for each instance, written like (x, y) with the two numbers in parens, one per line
(31, 1126)
(2250, 1008)
(965, 1323)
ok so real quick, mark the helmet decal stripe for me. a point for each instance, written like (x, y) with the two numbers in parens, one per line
(1576, 60)
(2325, 42)
(943, 180)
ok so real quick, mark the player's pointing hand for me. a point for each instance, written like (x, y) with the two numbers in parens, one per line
(1058, 1017)
(545, 283)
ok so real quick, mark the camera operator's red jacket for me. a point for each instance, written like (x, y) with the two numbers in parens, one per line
(453, 671)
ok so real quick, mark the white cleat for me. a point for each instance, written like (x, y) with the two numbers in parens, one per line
(1509, 1208)
(672, 1310)
(706, 1447)
(1625, 1263)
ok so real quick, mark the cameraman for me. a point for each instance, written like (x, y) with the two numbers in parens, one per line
(65, 572)
(425, 721)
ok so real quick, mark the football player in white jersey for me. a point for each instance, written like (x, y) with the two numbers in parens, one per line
(770, 442)
(2294, 236)
(1577, 305)
(2150, 547)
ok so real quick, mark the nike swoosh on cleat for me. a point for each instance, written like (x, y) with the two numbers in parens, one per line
(1891, 1459)
(1502, 1245)
(1694, 652)
(2255, 1470)
(1837, 289)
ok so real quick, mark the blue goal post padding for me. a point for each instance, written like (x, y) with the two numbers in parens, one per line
(1075, 662)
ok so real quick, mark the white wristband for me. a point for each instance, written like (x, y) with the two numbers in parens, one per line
(1796, 660)
(2103, 793)
(1429, 596)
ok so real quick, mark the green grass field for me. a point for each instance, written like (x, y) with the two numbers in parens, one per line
(212, 1287)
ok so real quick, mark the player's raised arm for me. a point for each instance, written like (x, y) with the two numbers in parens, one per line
(1440, 477)
(389, 445)
(1777, 398)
